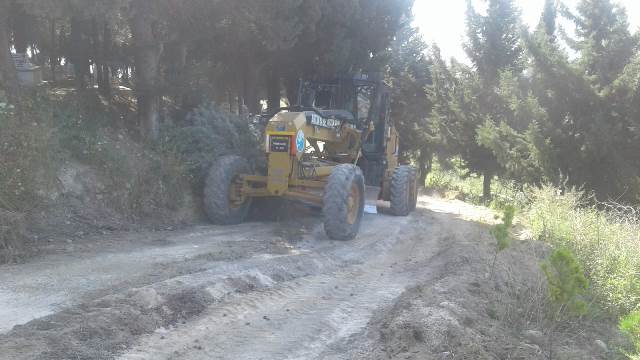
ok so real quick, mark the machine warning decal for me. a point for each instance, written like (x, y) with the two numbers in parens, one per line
(301, 142)
(279, 143)
(317, 120)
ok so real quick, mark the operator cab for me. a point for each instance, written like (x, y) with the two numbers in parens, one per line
(364, 103)
(359, 101)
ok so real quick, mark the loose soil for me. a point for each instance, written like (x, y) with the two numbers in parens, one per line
(420, 287)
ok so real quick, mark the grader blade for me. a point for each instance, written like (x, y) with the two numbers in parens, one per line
(372, 203)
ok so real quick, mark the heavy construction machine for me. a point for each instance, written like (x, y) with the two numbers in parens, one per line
(334, 147)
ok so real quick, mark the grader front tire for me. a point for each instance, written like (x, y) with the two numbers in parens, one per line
(344, 202)
(221, 191)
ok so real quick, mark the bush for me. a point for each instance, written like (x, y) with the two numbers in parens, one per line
(28, 152)
(566, 284)
(630, 325)
(504, 193)
(606, 245)
(502, 232)
(209, 134)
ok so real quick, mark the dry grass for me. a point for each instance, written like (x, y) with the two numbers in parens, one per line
(606, 243)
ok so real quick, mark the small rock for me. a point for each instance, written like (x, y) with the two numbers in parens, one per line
(247, 323)
(453, 308)
(534, 348)
(266, 318)
(146, 297)
(602, 346)
(535, 337)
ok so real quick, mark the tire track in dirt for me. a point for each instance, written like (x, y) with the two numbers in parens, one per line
(102, 328)
(300, 318)
(33, 290)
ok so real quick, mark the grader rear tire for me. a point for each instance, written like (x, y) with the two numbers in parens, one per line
(344, 202)
(219, 186)
(403, 190)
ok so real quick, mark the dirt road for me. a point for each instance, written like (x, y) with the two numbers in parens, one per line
(404, 288)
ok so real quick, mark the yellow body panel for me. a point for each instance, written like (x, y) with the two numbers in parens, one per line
(343, 144)
(290, 175)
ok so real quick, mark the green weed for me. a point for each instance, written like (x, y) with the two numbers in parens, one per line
(630, 325)
(502, 232)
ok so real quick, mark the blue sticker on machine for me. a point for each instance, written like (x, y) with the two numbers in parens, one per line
(301, 142)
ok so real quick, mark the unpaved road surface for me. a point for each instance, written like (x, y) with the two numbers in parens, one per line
(265, 291)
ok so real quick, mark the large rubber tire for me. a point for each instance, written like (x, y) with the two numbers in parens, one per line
(342, 212)
(218, 184)
(403, 190)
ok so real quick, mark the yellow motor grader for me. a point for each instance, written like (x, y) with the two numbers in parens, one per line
(332, 149)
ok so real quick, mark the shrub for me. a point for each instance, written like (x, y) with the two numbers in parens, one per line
(566, 284)
(502, 232)
(504, 193)
(607, 246)
(209, 134)
(630, 325)
(28, 154)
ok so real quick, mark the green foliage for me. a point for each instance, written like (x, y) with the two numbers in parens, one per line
(630, 325)
(606, 244)
(502, 231)
(409, 76)
(84, 137)
(209, 134)
(28, 153)
(563, 119)
(566, 284)
(589, 136)
(469, 186)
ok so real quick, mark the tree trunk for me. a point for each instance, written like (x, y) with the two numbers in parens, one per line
(105, 81)
(79, 56)
(148, 50)
(20, 28)
(250, 85)
(273, 90)
(239, 103)
(53, 57)
(292, 87)
(8, 74)
(424, 162)
(486, 186)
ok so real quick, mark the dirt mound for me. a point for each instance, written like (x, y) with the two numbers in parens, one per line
(466, 312)
(105, 327)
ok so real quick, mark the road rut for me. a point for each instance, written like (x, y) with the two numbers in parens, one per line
(243, 292)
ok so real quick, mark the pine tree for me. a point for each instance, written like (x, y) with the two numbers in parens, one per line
(409, 75)
(590, 130)
(494, 47)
